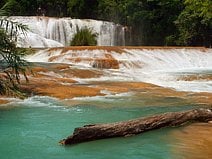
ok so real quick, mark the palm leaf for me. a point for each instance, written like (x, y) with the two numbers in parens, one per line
(13, 29)
(11, 63)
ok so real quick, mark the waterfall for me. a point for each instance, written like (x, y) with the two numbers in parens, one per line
(187, 69)
(132, 58)
(58, 32)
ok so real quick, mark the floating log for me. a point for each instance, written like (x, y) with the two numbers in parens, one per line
(136, 126)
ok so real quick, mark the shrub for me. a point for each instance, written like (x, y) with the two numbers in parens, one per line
(84, 37)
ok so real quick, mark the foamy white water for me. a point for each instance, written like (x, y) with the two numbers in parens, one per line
(48, 32)
(107, 97)
(162, 67)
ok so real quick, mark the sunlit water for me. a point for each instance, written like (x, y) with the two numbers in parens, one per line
(32, 129)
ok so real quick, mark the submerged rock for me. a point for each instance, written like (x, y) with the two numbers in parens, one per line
(106, 64)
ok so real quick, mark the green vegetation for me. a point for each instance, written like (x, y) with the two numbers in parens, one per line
(195, 23)
(150, 22)
(11, 63)
(84, 37)
(154, 22)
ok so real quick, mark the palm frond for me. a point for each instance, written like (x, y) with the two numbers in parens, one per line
(13, 29)
(12, 65)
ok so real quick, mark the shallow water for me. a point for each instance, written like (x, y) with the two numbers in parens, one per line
(33, 128)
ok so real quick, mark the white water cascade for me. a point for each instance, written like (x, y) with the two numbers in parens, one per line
(164, 67)
(57, 32)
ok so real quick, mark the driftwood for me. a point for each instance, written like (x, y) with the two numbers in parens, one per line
(136, 126)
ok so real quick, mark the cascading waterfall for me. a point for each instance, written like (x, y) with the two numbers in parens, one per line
(58, 32)
(163, 67)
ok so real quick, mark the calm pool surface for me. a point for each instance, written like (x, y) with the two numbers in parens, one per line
(32, 129)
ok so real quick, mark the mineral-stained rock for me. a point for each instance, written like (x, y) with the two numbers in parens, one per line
(106, 64)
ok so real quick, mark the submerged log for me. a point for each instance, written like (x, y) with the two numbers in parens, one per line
(136, 126)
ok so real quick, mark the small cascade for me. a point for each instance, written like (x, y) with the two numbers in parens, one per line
(57, 32)
(145, 59)
(165, 67)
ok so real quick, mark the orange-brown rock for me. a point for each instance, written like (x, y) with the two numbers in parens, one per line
(196, 77)
(64, 87)
(2, 101)
(85, 73)
(60, 66)
(56, 80)
(106, 63)
(118, 49)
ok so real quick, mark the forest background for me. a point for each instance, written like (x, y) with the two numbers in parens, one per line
(147, 22)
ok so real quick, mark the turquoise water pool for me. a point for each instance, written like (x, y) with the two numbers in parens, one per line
(31, 130)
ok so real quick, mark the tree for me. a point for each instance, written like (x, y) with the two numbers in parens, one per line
(149, 22)
(11, 63)
(2, 2)
(152, 20)
(108, 10)
(11, 7)
(84, 37)
(195, 23)
(83, 8)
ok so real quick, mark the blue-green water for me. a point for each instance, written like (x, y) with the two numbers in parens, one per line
(32, 130)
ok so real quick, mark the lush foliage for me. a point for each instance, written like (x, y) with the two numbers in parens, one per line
(38, 7)
(195, 23)
(150, 22)
(11, 62)
(84, 37)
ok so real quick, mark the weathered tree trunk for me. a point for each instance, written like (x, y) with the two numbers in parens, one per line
(136, 126)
